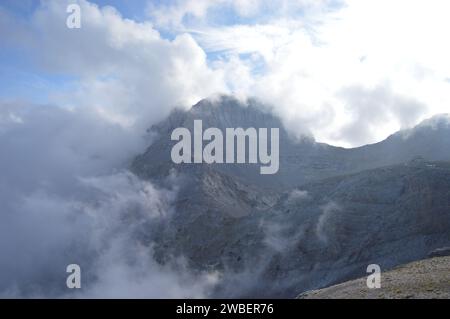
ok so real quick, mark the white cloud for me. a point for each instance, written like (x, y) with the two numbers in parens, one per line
(310, 60)
(326, 227)
(174, 14)
(244, 39)
(102, 225)
(59, 190)
(123, 69)
(299, 57)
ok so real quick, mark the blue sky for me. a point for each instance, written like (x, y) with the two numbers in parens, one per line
(134, 9)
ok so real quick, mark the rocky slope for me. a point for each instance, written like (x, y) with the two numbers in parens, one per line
(424, 279)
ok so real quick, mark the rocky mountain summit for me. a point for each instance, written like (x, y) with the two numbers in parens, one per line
(327, 214)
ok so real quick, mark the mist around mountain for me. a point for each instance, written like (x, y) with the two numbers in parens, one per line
(322, 219)
(84, 183)
(150, 228)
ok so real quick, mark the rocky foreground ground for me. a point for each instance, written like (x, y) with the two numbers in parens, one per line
(425, 279)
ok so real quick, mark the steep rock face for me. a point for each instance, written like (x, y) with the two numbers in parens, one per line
(387, 216)
(326, 215)
(300, 160)
(228, 113)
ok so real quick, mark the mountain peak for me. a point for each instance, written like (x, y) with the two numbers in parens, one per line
(224, 111)
(222, 100)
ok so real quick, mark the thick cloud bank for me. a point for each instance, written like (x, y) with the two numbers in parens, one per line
(65, 192)
(67, 198)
